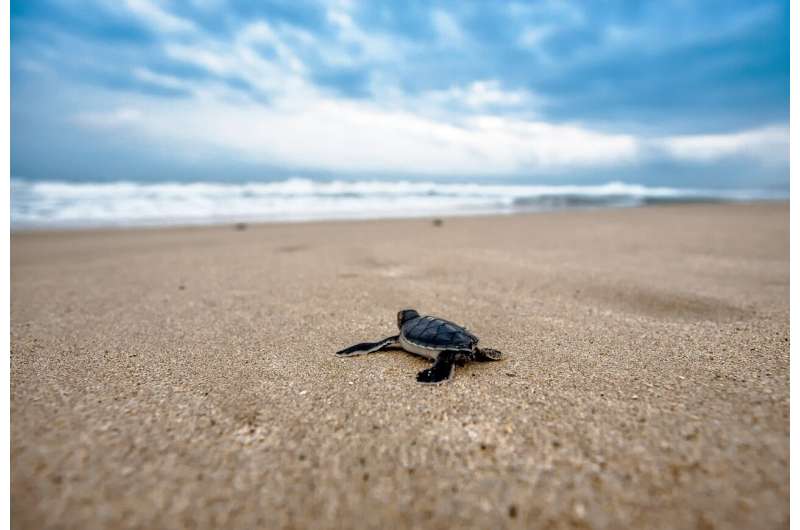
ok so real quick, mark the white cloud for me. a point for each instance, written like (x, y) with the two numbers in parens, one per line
(532, 36)
(164, 81)
(323, 132)
(32, 66)
(198, 56)
(262, 33)
(154, 15)
(370, 46)
(241, 59)
(305, 127)
(658, 38)
(317, 131)
(119, 117)
(557, 12)
(447, 27)
(484, 93)
(768, 144)
(453, 131)
(208, 5)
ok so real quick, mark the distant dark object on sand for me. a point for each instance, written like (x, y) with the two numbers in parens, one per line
(438, 222)
(240, 226)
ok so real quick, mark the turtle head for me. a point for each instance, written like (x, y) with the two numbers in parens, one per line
(404, 316)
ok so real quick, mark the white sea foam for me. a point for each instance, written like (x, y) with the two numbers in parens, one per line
(67, 204)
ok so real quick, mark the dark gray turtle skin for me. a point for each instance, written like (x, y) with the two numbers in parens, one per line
(445, 343)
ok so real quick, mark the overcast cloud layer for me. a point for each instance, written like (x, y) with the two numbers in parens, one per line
(671, 92)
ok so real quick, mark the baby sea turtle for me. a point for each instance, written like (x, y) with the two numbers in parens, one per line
(442, 341)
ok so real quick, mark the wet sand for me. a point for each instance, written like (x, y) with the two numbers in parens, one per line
(184, 378)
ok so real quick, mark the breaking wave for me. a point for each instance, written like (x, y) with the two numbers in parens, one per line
(68, 204)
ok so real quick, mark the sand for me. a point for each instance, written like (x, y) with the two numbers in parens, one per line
(184, 377)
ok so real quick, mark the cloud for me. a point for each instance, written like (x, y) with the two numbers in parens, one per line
(447, 27)
(768, 144)
(200, 56)
(164, 81)
(157, 18)
(484, 93)
(356, 45)
(510, 89)
(306, 127)
(532, 36)
(339, 135)
(123, 116)
(316, 131)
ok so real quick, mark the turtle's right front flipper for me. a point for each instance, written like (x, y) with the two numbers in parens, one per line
(368, 347)
(441, 371)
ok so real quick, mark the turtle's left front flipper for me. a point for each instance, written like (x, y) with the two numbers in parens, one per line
(483, 355)
(441, 371)
(368, 347)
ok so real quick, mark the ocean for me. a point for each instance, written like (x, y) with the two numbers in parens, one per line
(56, 204)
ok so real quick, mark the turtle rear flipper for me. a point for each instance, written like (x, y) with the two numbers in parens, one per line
(483, 355)
(368, 347)
(441, 371)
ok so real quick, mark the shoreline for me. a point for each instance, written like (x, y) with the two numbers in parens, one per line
(201, 224)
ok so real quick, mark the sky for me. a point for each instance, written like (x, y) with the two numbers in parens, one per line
(670, 92)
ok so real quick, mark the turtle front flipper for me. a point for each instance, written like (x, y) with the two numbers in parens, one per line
(368, 347)
(441, 371)
(483, 355)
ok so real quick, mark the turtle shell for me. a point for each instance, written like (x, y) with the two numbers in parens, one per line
(437, 333)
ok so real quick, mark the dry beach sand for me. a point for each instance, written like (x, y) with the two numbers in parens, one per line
(184, 378)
